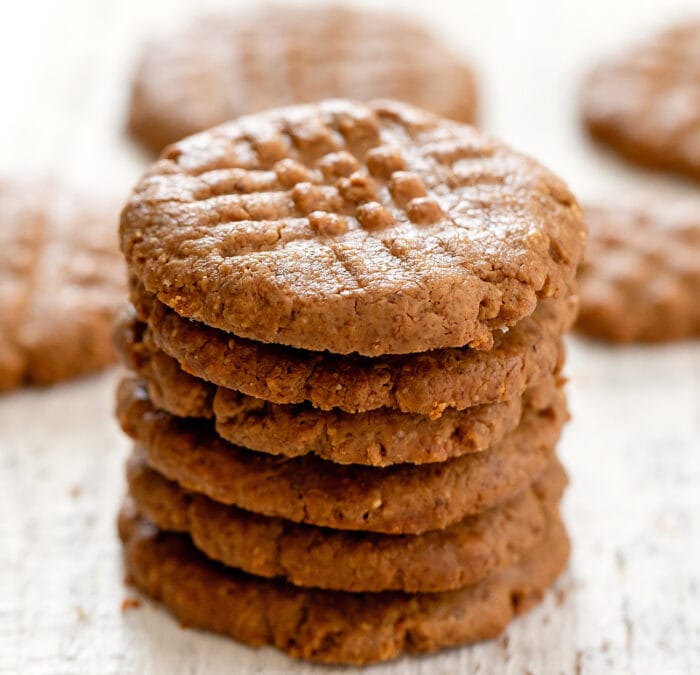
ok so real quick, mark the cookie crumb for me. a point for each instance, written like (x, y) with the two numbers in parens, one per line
(337, 165)
(309, 197)
(130, 603)
(289, 172)
(373, 216)
(327, 224)
(405, 186)
(424, 211)
(383, 161)
(560, 596)
(357, 188)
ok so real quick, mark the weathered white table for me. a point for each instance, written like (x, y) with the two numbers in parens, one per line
(630, 601)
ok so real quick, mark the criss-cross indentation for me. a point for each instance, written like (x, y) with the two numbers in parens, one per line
(385, 225)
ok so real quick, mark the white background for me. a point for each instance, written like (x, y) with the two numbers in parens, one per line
(630, 601)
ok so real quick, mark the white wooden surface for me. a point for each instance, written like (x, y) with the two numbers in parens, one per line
(630, 602)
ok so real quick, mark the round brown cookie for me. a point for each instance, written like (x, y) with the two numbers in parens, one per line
(645, 103)
(401, 499)
(61, 284)
(221, 67)
(169, 387)
(379, 437)
(641, 277)
(331, 626)
(426, 384)
(305, 555)
(371, 228)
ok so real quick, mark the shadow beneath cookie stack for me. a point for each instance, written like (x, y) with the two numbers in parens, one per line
(343, 507)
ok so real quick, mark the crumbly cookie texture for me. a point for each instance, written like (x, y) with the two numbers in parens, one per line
(439, 560)
(169, 387)
(331, 626)
(221, 67)
(379, 437)
(401, 499)
(61, 283)
(427, 383)
(372, 228)
(645, 103)
(641, 278)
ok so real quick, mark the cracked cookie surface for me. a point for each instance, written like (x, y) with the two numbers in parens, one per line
(371, 228)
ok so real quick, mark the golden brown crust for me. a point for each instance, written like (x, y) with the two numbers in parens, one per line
(426, 383)
(352, 227)
(61, 284)
(331, 626)
(221, 67)
(305, 555)
(645, 103)
(640, 281)
(379, 437)
(400, 499)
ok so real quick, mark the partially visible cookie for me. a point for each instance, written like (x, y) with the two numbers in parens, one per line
(400, 499)
(645, 103)
(426, 383)
(370, 228)
(169, 387)
(221, 67)
(641, 277)
(61, 283)
(305, 555)
(331, 626)
(379, 437)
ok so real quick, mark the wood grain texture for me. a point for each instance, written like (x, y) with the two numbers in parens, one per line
(630, 600)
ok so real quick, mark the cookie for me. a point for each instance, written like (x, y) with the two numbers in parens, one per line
(645, 103)
(61, 283)
(641, 278)
(169, 387)
(371, 228)
(401, 499)
(331, 626)
(379, 438)
(439, 560)
(426, 384)
(221, 67)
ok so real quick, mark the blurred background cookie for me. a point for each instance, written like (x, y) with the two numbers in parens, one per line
(640, 280)
(61, 282)
(220, 67)
(645, 102)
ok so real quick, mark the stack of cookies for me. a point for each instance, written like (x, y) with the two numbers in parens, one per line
(346, 391)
